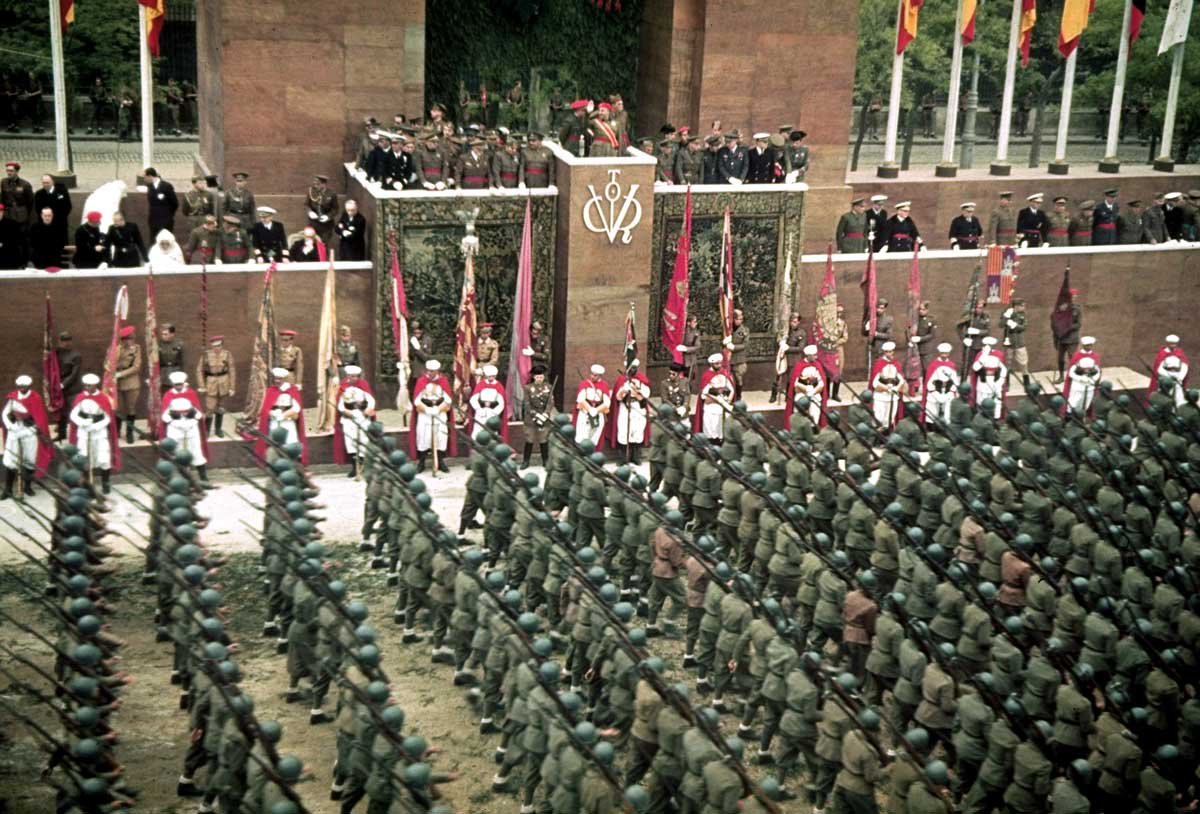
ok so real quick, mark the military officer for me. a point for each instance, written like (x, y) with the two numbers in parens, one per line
(739, 350)
(537, 164)
(1058, 223)
(239, 202)
(429, 162)
(689, 161)
(851, 233)
(268, 237)
(674, 388)
(170, 352)
(538, 414)
(1081, 224)
(885, 325)
(471, 171)
(606, 141)
(574, 133)
(1002, 225)
(1104, 219)
(235, 243)
(1066, 336)
(198, 203)
(129, 381)
(291, 358)
(16, 195)
(795, 158)
(322, 207)
(711, 164)
(761, 160)
(1014, 339)
(1032, 223)
(216, 378)
(1131, 224)
(732, 161)
(966, 229)
(201, 248)
(925, 335)
(1153, 219)
(487, 349)
(664, 173)
(506, 169)
(346, 351)
(877, 218)
(901, 233)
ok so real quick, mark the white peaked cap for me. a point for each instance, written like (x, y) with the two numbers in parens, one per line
(1172, 339)
(433, 364)
(24, 381)
(353, 370)
(878, 198)
(597, 370)
(90, 379)
(1088, 340)
(889, 346)
(490, 370)
(944, 347)
(715, 358)
(178, 377)
(810, 350)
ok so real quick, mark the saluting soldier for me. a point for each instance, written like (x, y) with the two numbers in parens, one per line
(1081, 224)
(965, 230)
(201, 248)
(1032, 223)
(239, 202)
(1104, 220)
(291, 358)
(606, 142)
(709, 160)
(198, 203)
(429, 162)
(1058, 223)
(506, 169)
(851, 233)
(216, 378)
(170, 353)
(689, 161)
(537, 164)
(1002, 225)
(471, 171)
(322, 207)
(235, 243)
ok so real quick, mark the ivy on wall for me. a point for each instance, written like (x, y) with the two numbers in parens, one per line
(577, 48)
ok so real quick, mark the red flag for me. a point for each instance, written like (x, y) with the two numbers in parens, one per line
(906, 26)
(519, 364)
(1028, 19)
(825, 325)
(870, 296)
(674, 313)
(156, 15)
(1061, 319)
(52, 392)
(726, 303)
(66, 11)
(912, 357)
(1136, 14)
(154, 397)
(466, 351)
(968, 21)
(108, 383)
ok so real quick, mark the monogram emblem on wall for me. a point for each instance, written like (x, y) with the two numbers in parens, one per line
(613, 214)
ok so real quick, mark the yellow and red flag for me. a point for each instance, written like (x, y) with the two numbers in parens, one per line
(156, 15)
(66, 12)
(906, 26)
(968, 21)
(1028, 18)
(1074, 19)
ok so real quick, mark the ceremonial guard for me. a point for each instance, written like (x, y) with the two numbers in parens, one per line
(537, 164)
(1104, 220)
(851, 235)
(346, 351)
(308, 248)
(831, 349)
(201, 248)
(291, 358)
(235, 243)
(791, 348)
(713, 399)
(70, 366)
(1058, 223)
(965, 229)
(181, 421)
(1065, 324)
(885, 325)
(888, 386)
(487, 350)
(432, 419)
(170, 352)
(690, 345)
(506, 167)
(216, 378)
(925, 335)
(125, 246)
(941, 385)
(268, 237)
(351, 228)
(356, 411)
(1002, 225)
(322, 207)
(90, 247)
(198, 203)
(732, 161)
(281, 409)
(902, 234)
(1079, 389)
(1033, 227)
(593, 401)
(795, 158)
(488, 400)
(631, 424)
(1171, 360)
(1014, 339)
(808, 382)
(538, 413)
(93, 430)
(128, 374)
(27, 446)
(1081, 224)
(238, 201)
(738, 344)
(877, 218)
(472, 171)
(538, 349)
(161, 202)
(989, 377)
(674, 388)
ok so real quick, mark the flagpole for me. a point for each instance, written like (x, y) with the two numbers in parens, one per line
(889, 168)
(1164, 163)
(1111, 162)
(61, 152)
(1060, 165)
(948, 169)
(1001, 166)
(147, 85)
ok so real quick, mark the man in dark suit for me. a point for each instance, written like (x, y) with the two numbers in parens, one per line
(877, 218)
(57, 198)
(377, 162)
(162, 202)
(732, 162)
(760, 161)
(268, 237)
(351, 229)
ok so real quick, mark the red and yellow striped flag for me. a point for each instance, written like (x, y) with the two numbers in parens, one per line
(906, 26)
(66, 11)
(156, 15)
(1028, 18)
(968, 21)
(1074, 20)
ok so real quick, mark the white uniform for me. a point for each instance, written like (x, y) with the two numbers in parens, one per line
(183, 427)
(433, 407)
(486, 402)
(712, 418)
(91, 433)
(20, 438)
(942, 391)
(284, 414)
(812, 392)
(631, 417)
(1082, 389)
(989, 382)
(887, 396)
(589, 424)
(1174, 367)
(354, 420)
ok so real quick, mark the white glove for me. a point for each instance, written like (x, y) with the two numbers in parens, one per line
(1006, 342)
(102, 266)
(1024, 244)
(416, 343)
(968, 341)
(883, 249)
(912, 340)
(441, 185)
(1008, 315)
(681, 348)
(521, 185)
(1011, 324)
(954, 246)
(735, 181)
(660, 183)
(920, 242)
(791, 177)
(783, 345)
(429, 185)
(728, 342)
(527, 351)
(312, 214)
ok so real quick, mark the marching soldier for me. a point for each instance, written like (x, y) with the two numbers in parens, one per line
(234, 242)
(1032, 223)
(537, 164)
(216, 378)
(1002, 225)
(238, 201)
(291, 358)
(322, 207)
(851, 235)
(198, 203)
(965, 229)
(1058, 223)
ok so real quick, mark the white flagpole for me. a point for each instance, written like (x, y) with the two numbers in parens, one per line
(1164, 162)
(1111, 163)
(889, 169)
(61, 154)
(147, 89)
(1001, 166)
(948, 169)
(1059, 165)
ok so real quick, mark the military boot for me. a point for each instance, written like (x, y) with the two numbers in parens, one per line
(218, 421)
(129, 428)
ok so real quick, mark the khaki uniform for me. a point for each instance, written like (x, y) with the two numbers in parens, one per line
(1081, 228)
(239, 202)
(488, 353)
(851, 233)
(129, 377)
(1002, 227)
(506, 170)
(202, 246)
(689, 166)
(1058, 229)
(322, 211)
(196, 204)
(537, 167)
(216, 378)
(235, 245)
(472, 171)
(430, 165)
(292, 360)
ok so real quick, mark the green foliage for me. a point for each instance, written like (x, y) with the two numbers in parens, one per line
(578, 48)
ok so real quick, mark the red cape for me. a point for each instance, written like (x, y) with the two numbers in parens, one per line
(1075, 357)
(37, 411)
(603, 387)
(339, 440)
(612, 425)
(876, 368)
(934, 367)
(191, 395)
(791, 391)
(114, 447)
(1163, 353)
(974, 377)
(264, 422)
(503, 416)
(452, 441)
(705, 377)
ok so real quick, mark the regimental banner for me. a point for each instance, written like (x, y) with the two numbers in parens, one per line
(1002, 271)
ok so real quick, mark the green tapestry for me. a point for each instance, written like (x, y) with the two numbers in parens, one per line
(759, 223)
(429, 234)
